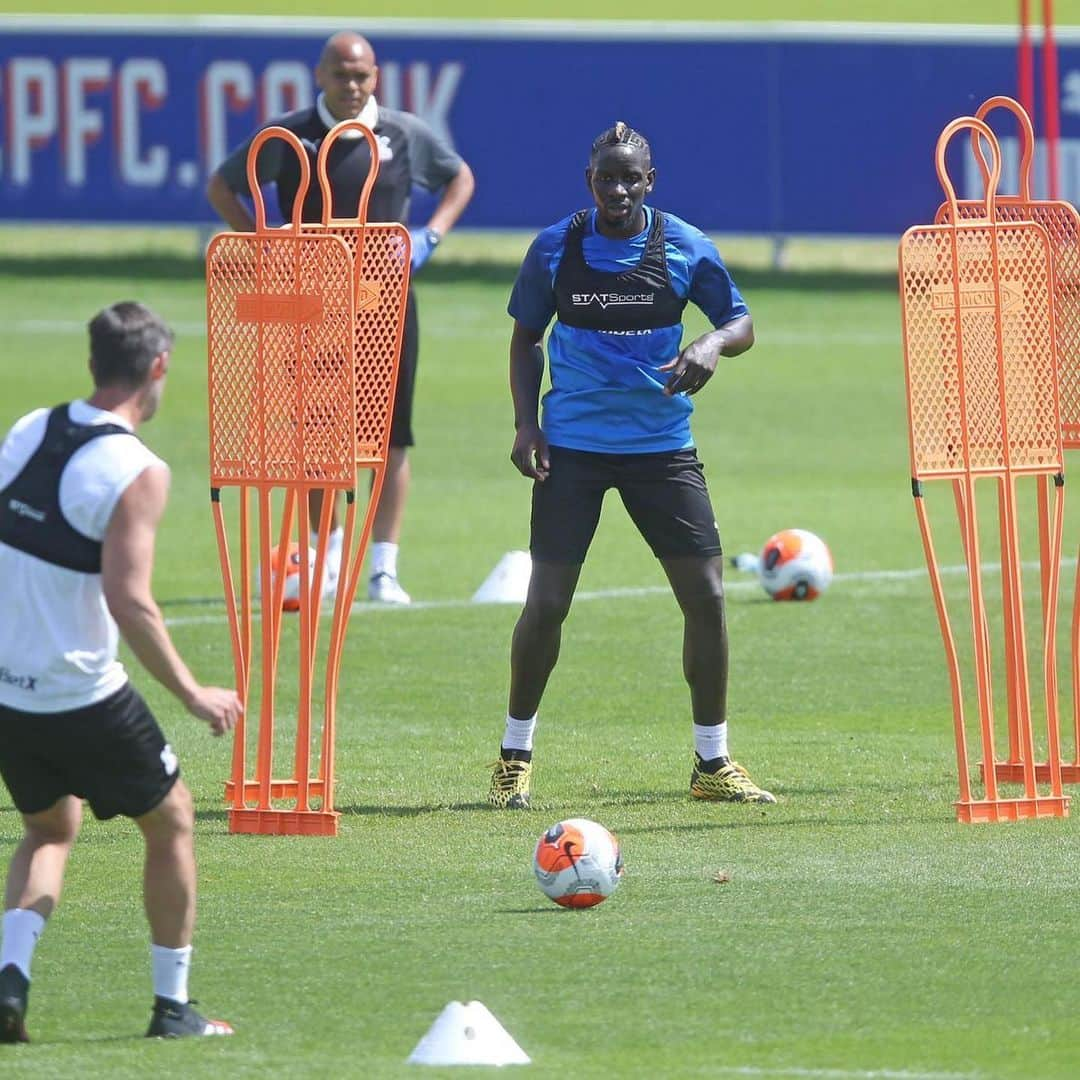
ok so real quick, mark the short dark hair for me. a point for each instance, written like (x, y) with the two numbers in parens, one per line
(620, 135)
(124, 339)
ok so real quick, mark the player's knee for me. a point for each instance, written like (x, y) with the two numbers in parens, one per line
(183, 807)
(704, 603)
(547, 609)
(57, 825)
(173, 817)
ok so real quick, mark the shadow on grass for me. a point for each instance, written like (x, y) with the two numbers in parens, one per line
(788, 812)
(547, 909)
(355, 810)
(759, 819)
(410, 811)
(166, 266)
(83, 1040)
(784, 813)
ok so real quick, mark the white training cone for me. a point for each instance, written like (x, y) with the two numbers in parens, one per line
(467, 1035)
(508, 583)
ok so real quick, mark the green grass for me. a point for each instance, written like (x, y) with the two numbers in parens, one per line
(862, 932)
(958, 11)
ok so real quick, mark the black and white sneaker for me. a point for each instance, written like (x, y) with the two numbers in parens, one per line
(14, 990)
(173, 1020)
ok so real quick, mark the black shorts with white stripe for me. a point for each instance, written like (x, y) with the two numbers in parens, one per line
(111, 753)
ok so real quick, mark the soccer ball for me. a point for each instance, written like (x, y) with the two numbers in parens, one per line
(795, 565)
(290, 597)
(577, 863)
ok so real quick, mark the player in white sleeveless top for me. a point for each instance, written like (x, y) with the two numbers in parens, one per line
(80, 501)
(70, 658)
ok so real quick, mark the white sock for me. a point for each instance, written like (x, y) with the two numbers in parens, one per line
(710, 741)
(171, 967)
(22, 928)
(334, 539)
(384, 558)
(519, 733)
(334, 544)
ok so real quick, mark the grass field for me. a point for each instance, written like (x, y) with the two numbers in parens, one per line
(1067, 12)
(861, 933)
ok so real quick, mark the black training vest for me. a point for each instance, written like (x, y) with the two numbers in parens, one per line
(30, 516)
(347, 168)
(637, 299)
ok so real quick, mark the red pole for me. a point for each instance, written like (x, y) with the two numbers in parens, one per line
(1051, 100)
(1025, 62)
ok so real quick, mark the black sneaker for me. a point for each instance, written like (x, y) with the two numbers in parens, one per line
(14, 989)
(171, 1020)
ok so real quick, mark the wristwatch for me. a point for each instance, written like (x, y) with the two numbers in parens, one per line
(432, 236)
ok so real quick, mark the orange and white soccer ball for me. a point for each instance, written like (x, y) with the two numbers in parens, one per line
(578, 863)
(795, 565)
(290, 597)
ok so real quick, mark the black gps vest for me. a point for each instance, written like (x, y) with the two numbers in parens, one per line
(347, 167)
(637, 299)
(30, 516)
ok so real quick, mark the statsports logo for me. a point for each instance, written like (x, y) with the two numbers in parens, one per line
(18, 507)
(610, 299)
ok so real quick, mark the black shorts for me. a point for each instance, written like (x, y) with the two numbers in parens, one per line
(665, 495)
(401, 433)
(112, 753)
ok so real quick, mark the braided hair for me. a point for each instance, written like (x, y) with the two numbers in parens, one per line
(621, 135)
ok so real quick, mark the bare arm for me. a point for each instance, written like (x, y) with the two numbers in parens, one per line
(694, 366)
(127, 560)
(455, 197)
(530, 452)
(228, 205)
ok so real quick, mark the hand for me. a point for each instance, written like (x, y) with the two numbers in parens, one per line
(530, 452)
(219, 707)
(692, 368)
(424, 242)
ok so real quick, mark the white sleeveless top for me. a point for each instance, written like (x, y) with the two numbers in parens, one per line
(57, 639)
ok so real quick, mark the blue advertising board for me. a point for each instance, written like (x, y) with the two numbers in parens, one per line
(756, 128)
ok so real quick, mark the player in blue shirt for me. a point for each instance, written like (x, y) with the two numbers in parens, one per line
(616, 279)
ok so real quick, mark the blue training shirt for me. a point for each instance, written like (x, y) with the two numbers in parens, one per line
(606, 394)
